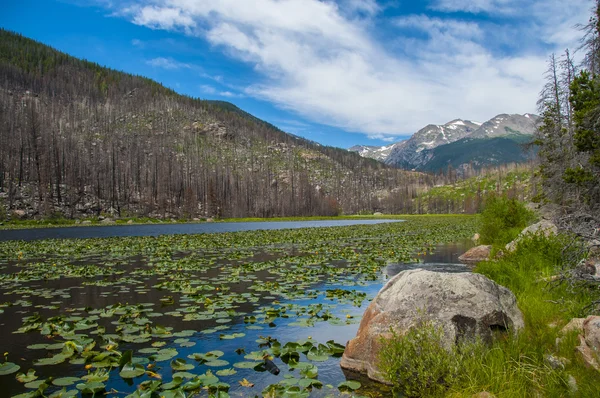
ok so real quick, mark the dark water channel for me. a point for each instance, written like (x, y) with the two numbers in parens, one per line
(171, 229)
(242, 295)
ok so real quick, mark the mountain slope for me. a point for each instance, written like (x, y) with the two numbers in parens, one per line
(80, 139)
(459, 143)
(478, 152)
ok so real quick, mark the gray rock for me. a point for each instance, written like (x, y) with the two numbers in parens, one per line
(591, 331)
(107, 221)
(545, 227)
(475, 255)
(86, 222)
(554, 362)
(587, 354)
(574, 324)
(464, 305)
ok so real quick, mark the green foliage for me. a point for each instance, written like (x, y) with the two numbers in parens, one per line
(417, 363)
(502, 219)
(481, 152)
(514, 365)
(585, 100)
(468, 195)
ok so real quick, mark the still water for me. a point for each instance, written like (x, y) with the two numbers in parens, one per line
(171, 229)
(86, 303)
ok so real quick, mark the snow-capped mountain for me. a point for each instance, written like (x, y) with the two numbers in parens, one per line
(374, 152)
(419, 150)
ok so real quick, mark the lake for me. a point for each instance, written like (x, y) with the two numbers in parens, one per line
(108, 231)
(203, 310)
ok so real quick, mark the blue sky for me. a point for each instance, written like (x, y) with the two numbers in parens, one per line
(339, 72)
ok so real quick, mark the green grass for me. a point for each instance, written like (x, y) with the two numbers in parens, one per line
(503, 219)
(515, 366)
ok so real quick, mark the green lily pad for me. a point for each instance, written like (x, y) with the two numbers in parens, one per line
(246, 365)
(64, 393)
(26, 378)
(226, 372)
(65, 381)
(35, 384)
(129, 371)
(8, 368)
(180, 364)
(90, 387)
(349, 385)
(216, 363)
(164, 355)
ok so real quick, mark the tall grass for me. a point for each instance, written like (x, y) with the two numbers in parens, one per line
(513, 365)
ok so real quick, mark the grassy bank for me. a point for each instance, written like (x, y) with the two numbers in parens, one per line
(513, 366)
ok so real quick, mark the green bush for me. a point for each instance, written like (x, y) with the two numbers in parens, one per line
(502, 219)
(417, 363)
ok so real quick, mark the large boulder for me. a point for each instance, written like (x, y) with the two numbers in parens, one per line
(545, 227)
(475, 255)
(464, 305)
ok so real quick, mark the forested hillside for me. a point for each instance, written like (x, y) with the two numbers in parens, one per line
(80, 139)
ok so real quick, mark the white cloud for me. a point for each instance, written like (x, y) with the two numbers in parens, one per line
(478, 6)
(206, 89)
(210, 90)
(383, 137)
(321, 60)
(167, 63)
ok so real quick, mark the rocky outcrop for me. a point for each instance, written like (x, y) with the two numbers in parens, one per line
(545, 227)
(589, 339)
(475, 255)
(464, 305)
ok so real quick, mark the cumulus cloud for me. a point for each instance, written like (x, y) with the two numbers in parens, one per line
(321, 59)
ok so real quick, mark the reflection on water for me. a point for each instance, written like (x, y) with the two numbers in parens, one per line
(443, 259)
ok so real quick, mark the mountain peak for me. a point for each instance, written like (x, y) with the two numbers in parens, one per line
(417, 151)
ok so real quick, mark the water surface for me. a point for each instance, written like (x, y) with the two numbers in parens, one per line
(171, 229)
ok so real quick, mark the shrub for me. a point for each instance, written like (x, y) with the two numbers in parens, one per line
(417, 363)
(502, 219)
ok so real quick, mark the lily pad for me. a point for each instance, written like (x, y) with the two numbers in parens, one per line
(180, 364)
(246, 365)
(130, 371)
(26, 378)
(8, 368)
(349, 385)
(226, 372)
(65, 381)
